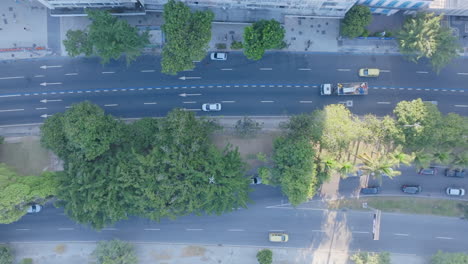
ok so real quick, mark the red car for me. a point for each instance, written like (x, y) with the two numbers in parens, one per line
(428, 171)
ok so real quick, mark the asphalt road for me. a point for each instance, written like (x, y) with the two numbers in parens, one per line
(279, 84)
(307, 228)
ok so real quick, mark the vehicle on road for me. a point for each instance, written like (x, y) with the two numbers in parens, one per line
(353, 88)
(369, 72)
(457, 173)
(428, 171)
(370, 190)
(452, 191)
(218, 56)
(256, 180)
(35, 208)
(411, 189)
(211, 107)
(278, 237)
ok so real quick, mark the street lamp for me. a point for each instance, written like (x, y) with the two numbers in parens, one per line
(375, 221)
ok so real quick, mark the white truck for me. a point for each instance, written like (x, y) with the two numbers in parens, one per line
(353, 88)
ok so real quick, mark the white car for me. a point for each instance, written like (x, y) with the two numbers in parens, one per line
(455, 191)
(211, 107)
(35, 208)
(218, 56)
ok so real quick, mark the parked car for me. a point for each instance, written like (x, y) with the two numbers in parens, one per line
(218, 56)
(455, 191)
(211, 107)
(278, 237)
(370, 190)
(428, 171)
(411, 189)
(455, 173)
(35, 208)
(256, 180)
(367, 72)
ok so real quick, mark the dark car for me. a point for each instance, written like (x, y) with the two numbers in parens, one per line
(428, 171)
(455, 173)
(370, 190)
(411, 189)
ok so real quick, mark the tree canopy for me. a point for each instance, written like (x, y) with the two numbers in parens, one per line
(265, 256)
(115, 252)
(262, 35)
(107, 37)
(355, 21)
(449, 258)
(153, 167)
(187, 36)
(371, 258)
(423, 36)
(6, 256)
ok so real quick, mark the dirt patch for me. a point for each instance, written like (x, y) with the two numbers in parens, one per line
(59, 249)
(163, 255)
(193, 251)
(25, 154)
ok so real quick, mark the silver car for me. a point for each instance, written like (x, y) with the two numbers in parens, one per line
(455, 191)
(218, 56)
(211, 107)
(35, 208)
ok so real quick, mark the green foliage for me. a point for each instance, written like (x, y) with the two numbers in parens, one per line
(2, 139)
(27, 261)
(246, 127)
(236, 45)
(355, 21)
(463, 207)
(107, 37)
(265, 174)
(379, 165)
(19, 191)
(339, 128)
(221, 46)
(423, 36)
(265, 256)
(115, 252)
(262, 157)
(6, 255)
(449, 258)
(371, 258)
(308, 126)
(294, 169)
(262, 35)
(187, 35)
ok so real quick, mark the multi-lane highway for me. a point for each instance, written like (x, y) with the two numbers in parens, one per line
(281, 83)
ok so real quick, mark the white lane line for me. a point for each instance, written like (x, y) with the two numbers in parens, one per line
(11, 110)
(447, 238)
(399, 234)
(109, 229)
(236, 230)
(72, 73)
(15, 77)
(151, 229)
(267, 101)
(11, 95)
(190, 102)
(266, 69)
(423, 72)
(462, 73)
(384, 70)
(461, 105)
(304, 69)
(111, 105)
(305, 102)
(22, 229)
(107, 72)
(147, 70)
(150, 103)
(226, 69)
(343, 69)
(383, 102)
(41, 108)
(65, 228)
(39, 76)
(228, 101)
(194, 229)
(361, 232)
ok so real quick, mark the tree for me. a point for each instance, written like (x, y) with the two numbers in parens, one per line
(247, 127)
(423, 36)
(187, 36)
(6, 255)
(449, 258)
(262, 35)
(371, 258)
(339, 128)
(115, 252)
(265, 256)
(107, 37)
(379, 165)
(355, 21)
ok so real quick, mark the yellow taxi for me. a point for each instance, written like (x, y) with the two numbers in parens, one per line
(278, 237)
(367, 72)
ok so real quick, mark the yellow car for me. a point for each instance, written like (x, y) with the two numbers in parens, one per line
(366, 72)
(278, 237)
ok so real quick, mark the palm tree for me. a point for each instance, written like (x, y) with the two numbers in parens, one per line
(402, 157)
(460, 159)
(442, 157)
(422, 159)
(345, 168)
(379, 165)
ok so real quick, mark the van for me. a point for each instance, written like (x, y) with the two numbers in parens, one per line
(278, 237)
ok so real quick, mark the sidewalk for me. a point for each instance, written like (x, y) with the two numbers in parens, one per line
(157, 253)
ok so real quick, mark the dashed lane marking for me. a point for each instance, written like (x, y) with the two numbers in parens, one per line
(150, 103)
(304, 69)
(151, 229)
(22, 229)
(422, 72)
(236, 230)
(71, 73)
(147, 70)
(462, 73)
(11, 110)
(228, 102)
(194, 229)
(361, 232)
(65, 228)
(383, 102)
(461, 105)
(447, 238)
(343, 70)
(190, 102)
(39, 76)
(266, 69)
(399, 234)
(108, 72)
(15, 77)
(111, 105)
(305, 102)
(227, 69)
(41, 108)
(267, 101)
(109, 229)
